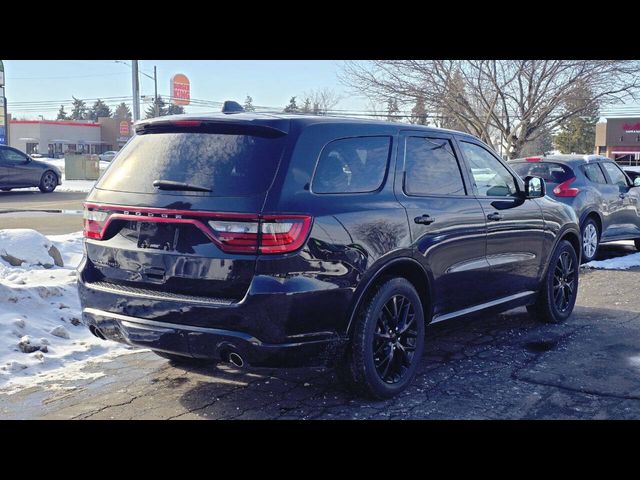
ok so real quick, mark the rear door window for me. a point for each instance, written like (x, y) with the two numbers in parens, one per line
(615, 174)
(593, 172)
(228, 164)
(548, 171)
(352, 165)
(431, 168)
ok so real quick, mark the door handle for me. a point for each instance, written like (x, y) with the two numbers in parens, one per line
(424, 220)
(496, 217)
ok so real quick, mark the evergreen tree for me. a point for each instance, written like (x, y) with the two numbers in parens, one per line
(578, 133)
(392, 110)
(79, 109)
(99, 109)
(419, 112)
(62, 115)
(292, 107)
(123, 112)
(248, 104)
(150, 112)
(174, 109)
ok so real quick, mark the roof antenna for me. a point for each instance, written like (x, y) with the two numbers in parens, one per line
(232, 107)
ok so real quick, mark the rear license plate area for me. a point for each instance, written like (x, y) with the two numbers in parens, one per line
(157, 235)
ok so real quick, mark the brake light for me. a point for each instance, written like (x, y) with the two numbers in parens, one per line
(271, 234)
(565, 190)
(94, 222)
(231, 232)
(282, 234)
(235, 236)
(533, 159)
(186, 123)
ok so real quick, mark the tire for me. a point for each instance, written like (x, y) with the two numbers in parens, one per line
(589, 239)
(561, 276)
(48, 182)
(182, 360)
(396, 305)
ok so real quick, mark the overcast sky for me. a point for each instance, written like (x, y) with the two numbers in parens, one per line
(271, 83)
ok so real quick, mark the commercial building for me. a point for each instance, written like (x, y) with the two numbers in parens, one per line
(55, 138)
(619, 139)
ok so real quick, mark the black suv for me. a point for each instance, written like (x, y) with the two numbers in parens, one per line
(285, 240)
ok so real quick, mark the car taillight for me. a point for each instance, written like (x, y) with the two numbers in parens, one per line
(564, 189)
(94, 222)
(236, 236)
(282, 234)
(271, 234)
(533, 159)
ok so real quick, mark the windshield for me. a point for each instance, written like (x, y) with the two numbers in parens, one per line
(550, 172)
(227, 164)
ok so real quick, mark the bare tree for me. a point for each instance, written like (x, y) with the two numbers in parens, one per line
(322, 100)
(504, 102)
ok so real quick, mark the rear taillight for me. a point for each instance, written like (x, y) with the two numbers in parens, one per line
(564, 189)
(533, 159)
(282, 234)
(231, 232)
(94, 223)
(270, 234)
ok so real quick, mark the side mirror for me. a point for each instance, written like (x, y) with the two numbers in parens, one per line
(636, 182)
(534, 187)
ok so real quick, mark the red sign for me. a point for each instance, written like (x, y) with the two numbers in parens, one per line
(630, 128)
(124, 128)
(180, 89)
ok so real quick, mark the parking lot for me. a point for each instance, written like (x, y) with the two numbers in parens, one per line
(492, 366)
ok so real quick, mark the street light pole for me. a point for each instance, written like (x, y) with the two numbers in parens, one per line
(136, 90)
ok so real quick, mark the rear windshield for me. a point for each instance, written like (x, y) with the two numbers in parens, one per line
(548, 171)
(227, 164)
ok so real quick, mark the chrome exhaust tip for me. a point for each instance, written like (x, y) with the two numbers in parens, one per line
(236, 360)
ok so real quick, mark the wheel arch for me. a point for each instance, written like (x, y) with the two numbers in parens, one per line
(405, 267)
(595, 215)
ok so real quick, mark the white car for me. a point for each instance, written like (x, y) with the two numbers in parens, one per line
(107, 156)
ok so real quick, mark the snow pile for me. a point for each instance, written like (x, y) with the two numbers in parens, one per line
(618, 263)
(23, 246)
(40, 317)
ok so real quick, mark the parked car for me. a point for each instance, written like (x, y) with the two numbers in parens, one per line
(19, 170)
(288, 241)
(632, 174)
(107, 156)
(603, 196)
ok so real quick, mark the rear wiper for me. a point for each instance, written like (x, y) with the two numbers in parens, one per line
(178, 186)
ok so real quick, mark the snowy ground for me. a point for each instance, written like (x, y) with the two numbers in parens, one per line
(41, 336)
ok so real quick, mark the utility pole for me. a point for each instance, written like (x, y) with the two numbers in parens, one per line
(4, 124)
(155, 93)
(136, 90)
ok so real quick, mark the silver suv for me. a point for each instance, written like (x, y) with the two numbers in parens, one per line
(603, 196)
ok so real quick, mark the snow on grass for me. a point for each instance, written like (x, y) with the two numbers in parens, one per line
(41, 334)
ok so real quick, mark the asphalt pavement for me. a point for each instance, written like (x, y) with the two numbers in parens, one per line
(485, 366)
(28, 209)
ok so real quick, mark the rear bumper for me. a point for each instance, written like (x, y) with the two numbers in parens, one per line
(210, 343)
